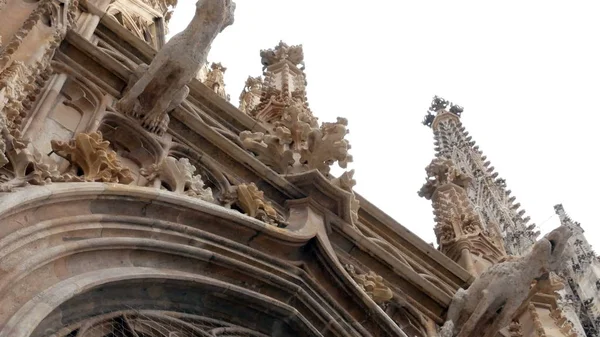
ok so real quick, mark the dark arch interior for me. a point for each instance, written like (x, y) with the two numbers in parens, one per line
(185, 300)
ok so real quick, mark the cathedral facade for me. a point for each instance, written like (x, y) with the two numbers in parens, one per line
(137, 201)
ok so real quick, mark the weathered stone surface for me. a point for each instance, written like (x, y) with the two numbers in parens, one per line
(493, 299)
(155, 90)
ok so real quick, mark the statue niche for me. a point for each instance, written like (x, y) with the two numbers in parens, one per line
(155, 90)
(493, 299)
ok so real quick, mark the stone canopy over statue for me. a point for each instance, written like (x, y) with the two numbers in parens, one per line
(157, 89)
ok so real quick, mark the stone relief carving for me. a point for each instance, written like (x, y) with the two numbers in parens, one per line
(215, 80)
(178, 175)
(372, 284)
(252, 202)
(92, 159)
(295, 142)
(157, 89)
(250, 96)
(493, 299)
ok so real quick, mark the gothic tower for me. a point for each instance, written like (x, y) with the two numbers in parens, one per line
(582, 274)
(493, 225)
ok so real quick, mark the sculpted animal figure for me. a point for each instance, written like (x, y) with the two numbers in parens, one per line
(492, 300)
(157, 89)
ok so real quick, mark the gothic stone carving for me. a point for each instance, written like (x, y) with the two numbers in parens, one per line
(250, 96)
(29, 166)
(297, 144)
(492, 300)
(252, 201)
(157, 89)
(179, 176)
(92, 159)
(372, 284)
(215, 80)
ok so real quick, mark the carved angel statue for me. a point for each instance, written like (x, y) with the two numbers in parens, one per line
(157, 89)
(493, 299)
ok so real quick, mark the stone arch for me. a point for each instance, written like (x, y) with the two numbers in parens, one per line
(67, 240)
(99, 293)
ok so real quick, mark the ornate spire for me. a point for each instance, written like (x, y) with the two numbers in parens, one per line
(294, 141)
(492, 202)
(581, 270)
(566, 220)
(438, 108)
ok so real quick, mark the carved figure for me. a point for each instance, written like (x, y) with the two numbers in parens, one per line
(250, 96)
(492, 300)
(157, 89)
(216, 81)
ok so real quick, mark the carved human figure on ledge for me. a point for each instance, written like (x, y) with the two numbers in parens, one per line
(157, 89)
(493, 299)
(250, 96)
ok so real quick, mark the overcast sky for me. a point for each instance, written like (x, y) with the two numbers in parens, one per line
(526, 72)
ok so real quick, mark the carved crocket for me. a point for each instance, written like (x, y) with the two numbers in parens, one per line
(492, 300)
(157, 89)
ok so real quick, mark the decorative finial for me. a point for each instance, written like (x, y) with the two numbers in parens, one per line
(439, 104)
(283, 52)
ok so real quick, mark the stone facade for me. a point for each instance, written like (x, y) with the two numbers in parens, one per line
(136, 200)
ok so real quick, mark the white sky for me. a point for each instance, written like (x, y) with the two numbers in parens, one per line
(526, 73)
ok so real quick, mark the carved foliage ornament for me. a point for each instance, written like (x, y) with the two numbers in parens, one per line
(92, 159)
(296, 143)
(253, 203)
(372, 284)
(282, 52)
(441, 172)
(178, 175)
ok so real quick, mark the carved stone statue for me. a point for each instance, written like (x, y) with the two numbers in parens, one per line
(160, 87)
(493, 299)
(250, 96)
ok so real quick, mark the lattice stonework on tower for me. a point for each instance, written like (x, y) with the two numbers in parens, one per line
(496, 210)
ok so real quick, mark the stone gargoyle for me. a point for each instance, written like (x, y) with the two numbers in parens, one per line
(493, 299)
(157, 89)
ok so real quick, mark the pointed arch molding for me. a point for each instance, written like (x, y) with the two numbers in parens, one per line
(61, 241)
